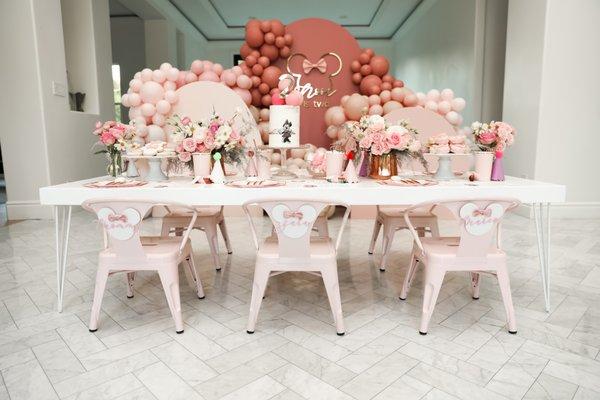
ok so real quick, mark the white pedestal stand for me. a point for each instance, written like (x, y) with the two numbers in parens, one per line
(155, 172)
(283, 172)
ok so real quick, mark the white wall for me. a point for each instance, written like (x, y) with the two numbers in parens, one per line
(160, 43)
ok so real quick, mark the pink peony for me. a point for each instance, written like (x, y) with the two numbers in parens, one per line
(107, 139)
(209, 142)
(366, 142)
(179, 148)
(486, 137)
(117, 133)
(200, 147)
(185, 156)
(189, 144)
(98, 125)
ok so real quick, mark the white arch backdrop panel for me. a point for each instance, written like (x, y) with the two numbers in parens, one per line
(197, 100)
(428, 123)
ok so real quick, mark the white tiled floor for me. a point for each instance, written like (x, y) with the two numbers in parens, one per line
(295, 353)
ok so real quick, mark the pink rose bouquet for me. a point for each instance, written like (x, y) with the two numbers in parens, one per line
(115, 137)
(494, 136)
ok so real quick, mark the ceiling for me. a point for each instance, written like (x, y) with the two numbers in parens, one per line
(132, 8)
(225, 19)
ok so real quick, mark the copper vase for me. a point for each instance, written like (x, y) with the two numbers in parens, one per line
(383, 166)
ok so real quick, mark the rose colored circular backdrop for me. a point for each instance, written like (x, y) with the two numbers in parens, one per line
(314, 38)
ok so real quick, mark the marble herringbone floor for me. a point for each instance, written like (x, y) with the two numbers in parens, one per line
(295, 353)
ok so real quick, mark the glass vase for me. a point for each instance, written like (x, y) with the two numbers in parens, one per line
(115, 167)
(383, 167)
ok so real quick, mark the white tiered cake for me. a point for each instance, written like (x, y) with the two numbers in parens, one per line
(284, 126)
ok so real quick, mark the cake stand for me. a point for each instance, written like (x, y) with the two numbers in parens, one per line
(444, 171)
(283, 172)
(155, 172)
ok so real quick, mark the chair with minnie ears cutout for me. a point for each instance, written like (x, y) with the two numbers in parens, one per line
(295, 249)
(477, 250)
(392, 220)
(126, 251)
(208, 218)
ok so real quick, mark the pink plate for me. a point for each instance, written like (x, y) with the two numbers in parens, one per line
(409, 182)
(110, 184)
(255, 184)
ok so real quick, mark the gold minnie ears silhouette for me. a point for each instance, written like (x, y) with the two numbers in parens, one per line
(320, 65)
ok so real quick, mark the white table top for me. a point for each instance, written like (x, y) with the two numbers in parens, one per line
(366, 192)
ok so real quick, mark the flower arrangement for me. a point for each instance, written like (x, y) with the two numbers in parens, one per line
(495, 136)
(214, 135)
(115, 136)
(444, 144)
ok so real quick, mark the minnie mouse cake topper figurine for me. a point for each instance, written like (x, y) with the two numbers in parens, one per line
(284, 119)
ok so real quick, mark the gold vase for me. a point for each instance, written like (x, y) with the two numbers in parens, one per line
(383, 166)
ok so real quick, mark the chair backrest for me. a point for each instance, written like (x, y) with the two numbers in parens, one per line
(479, 222)
(293, 221)
(121, 220)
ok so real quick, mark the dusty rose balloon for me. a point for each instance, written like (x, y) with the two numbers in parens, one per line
(135, 84)
(298, 153)
(344, 99)
(151, 92)
(158, 119)
(254, 111)
(265, 26)
(264, 114)
(270, 38)
(285, 52)
(431, 105)
(257, 69)
(245, 50)
(217, 69)
(148, 109)
(294, 98)
(171, 96)
(398, 83)
(332, 132)
(168, 85)
(244, 94)
(374, 99)
(388, 78)
(155, 133)
(355, 66)
(253, 23)
(370, 84)
(391, 105)
(376, 109)
(266, 100)
(366, 70)
(254, 37)
(433, 94)
(250, 61)
(263, 61)
(337, 116)
(328, 114)
(453, 117)
(364, 58)
(255, 54)
(355, 106)
(146, 75)
(197, 67)
(386, 86)
(411, 100)
(397, 94)
(271, 75)
(277, 27)
(263, 88)
(444, 107)
(379, 65)
(134, 99)
(229, 78)
(210, 76)
(385, 96)
(288, 39)
(255, 81)
(237, 70)
(356, 78)
(270, 51)
(244, 82)
(280, 42)
(447, 94)
(256, 97)
(191, 77)
(458, 104)
(163, 107)
(422, 98)
(369, 51)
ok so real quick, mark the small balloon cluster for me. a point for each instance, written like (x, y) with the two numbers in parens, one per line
(370, 73)
(265, 42)
(151, 94)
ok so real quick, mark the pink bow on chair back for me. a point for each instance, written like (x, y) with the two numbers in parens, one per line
(320, 65)
(117, 217)
(482, 212)
(293, 214)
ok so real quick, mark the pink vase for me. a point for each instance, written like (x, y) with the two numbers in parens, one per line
(483, 165)
(498, 167)
(202, 164)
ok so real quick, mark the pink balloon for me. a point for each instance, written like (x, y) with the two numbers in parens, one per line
(171, 97)
(447, 94)
(125, 100)
(139, 121)
(431, 105)
(244, 82)
(337, 116)
(190, 77)
(135, 84)
(444, 107)
(165, 67)
(217, 69)
(374, 99)
(385, 96)
(207, 65)
(209, 76)
(453, 117)
(172, 74)
(391, 105)
(158, 76)
(168, 85)
(137, 75)
(163, 107)
(156, 133)
(228, 77)
(277, 100)
(146, 75)
(422, 98)
(151, 92)
(158, 119)
(294, 98)
(397, 94)
(141, 131)
(355, 106)
(244, 94)
(181, 78)
(197, 67)
(237, 70)
(344, 99)
(264, 114)
(411, 100)
(376, 109)
(134, 112)
(148, 109)
(458, 104)
(433, 94)
(332, 132)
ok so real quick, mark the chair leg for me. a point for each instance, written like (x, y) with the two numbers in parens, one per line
(376, 229)
(435, 229)
(332, 286)
(225, 235)
(213, 243)
(130, 279)
(504, 282)
(169, 278)
(321, 226)
(388, 237)
(261, 277)
(191, 266)
(433, 283)
(410, 274)
(475, 280)
(101, 278)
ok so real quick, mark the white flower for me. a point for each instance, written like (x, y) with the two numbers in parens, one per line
(476, 125)
(396, 129)
(223, 133)
(200, 133)
(414, 145)
(377, 121)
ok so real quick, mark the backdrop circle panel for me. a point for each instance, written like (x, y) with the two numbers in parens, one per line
(320, 58)
(428, 123)
(197, 101)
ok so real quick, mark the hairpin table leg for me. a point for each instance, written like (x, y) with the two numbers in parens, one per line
(62, 224)
(541, 212)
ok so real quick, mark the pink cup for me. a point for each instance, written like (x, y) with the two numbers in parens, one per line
(334, 163)
(264, 167)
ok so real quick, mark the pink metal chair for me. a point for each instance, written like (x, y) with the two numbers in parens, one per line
(208, 218)
(392, 220)
(126, 251)
(477, 250)
(295, 249)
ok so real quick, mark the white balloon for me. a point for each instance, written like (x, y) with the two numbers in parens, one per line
(447, 94)
(458, 104)
(165, 66)
(156, 133)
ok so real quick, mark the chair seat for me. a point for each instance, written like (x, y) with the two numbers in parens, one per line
(319, 248)
(398, 212)
(202, 212)
(164, 249)
(446, 248)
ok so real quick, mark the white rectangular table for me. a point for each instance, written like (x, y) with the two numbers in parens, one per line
(367, 192)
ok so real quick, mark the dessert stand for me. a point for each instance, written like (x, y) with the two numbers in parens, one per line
(283, 172)
(155, 172)
(444, 171)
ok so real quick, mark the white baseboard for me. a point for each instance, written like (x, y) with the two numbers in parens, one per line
(32, 209)
(574, 210)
